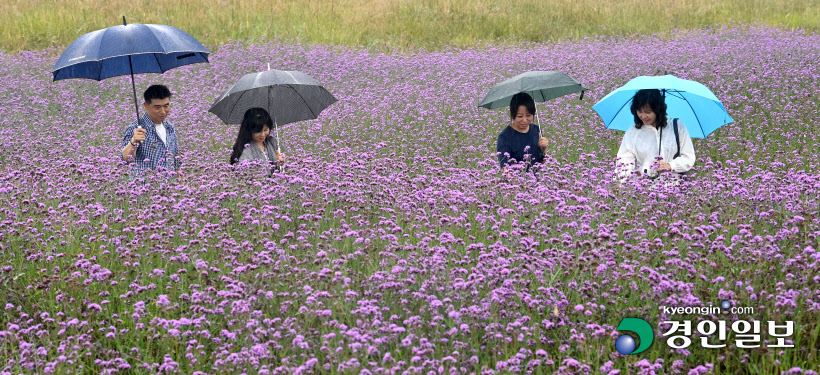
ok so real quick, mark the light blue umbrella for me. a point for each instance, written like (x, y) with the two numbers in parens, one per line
(693, 103)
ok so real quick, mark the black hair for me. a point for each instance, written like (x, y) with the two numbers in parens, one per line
(254, 121)
(522, 98)
(156, 92)
(655, 101)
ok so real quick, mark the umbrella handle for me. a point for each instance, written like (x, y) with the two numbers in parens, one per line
(278, 147)
(133, 86)
(139, 127)
(276, 128)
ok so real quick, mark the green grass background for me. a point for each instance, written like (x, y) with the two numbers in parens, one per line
(36, 24)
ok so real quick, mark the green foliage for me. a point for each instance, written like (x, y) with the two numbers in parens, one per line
(411, 24)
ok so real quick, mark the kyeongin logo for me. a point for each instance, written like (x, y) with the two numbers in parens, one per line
(625, 344)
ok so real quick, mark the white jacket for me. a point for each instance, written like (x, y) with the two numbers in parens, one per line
(640, 146)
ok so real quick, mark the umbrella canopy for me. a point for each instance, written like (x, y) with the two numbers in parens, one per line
(288, 96)
(128, 49)
(693, 103)
(541, 85)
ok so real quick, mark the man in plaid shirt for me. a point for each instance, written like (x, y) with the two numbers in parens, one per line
(152, 143)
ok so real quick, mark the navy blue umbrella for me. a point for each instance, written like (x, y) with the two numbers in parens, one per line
(128, 49)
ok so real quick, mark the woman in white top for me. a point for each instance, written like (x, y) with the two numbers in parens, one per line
(254, 141)
(649, 147)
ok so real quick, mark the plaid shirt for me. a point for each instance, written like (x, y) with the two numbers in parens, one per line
(153, 153)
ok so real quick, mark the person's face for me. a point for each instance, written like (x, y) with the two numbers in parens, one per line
(261, 136)
(522, 119)
(647, 115)
(158, 109)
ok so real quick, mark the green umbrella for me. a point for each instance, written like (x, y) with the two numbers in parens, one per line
(541, 85)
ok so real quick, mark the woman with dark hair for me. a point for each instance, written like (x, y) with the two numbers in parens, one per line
(521, 140)
(254, 141)
(653, 145)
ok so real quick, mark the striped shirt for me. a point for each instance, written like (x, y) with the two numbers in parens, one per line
(153, 153)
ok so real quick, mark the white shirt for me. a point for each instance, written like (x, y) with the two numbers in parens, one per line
(640, 146)
(264, 153)
(160, 128)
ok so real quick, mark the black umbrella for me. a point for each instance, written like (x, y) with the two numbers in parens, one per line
(288, 96)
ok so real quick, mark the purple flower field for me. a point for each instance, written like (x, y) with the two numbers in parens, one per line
(392, 244)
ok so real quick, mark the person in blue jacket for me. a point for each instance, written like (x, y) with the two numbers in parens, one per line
(521, 141)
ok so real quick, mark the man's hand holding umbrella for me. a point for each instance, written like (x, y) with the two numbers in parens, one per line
(139, 135)
(130, 150)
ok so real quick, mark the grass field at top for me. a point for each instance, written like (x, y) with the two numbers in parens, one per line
(35, 24)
